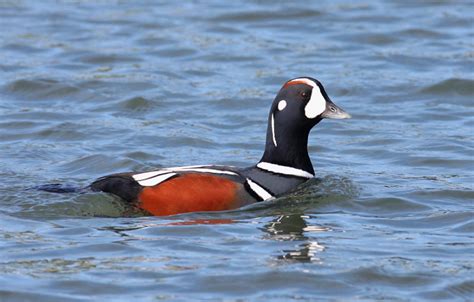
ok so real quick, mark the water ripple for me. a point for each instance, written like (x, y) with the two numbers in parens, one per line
(452, 86)
(94, 88)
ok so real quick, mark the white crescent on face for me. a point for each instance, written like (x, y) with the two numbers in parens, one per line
(317, 103)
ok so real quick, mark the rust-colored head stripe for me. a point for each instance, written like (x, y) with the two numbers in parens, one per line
(299, 81)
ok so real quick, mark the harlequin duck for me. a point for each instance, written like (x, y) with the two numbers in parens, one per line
(299, 105)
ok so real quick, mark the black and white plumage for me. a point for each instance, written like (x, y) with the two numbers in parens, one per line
(299, 105)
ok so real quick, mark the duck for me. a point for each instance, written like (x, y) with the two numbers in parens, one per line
(300, 104)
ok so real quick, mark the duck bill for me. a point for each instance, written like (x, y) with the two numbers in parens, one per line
(335, 112)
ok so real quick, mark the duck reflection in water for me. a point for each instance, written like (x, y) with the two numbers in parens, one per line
(290, 228)
(294, 227)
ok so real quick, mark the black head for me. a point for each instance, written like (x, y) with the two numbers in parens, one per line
(299, 105)
(303, 102)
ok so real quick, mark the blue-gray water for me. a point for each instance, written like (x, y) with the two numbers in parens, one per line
(89, 88)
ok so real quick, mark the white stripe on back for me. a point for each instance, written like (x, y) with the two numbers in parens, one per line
(155, 175)
(146, 175)
(150, 182)
(278, 169)
(206, 170)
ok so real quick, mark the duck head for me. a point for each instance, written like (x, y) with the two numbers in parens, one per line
(299, 105)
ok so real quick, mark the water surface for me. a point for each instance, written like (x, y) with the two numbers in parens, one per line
(89, 89)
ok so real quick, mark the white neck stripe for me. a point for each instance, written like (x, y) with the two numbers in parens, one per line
(284, 170)
(273, 132)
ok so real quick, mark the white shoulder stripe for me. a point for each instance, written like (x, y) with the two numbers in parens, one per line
(261, 192)
(150, 182)
(284, 170)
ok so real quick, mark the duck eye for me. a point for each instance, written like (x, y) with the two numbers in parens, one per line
(304, 94)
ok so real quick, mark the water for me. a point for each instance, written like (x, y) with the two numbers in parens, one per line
(90, 88)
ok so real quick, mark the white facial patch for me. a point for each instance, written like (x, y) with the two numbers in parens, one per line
(281, 105)
(316, 104)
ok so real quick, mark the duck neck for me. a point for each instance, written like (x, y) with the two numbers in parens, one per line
(287, 147)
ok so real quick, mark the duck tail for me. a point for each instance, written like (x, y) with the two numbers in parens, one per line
(61, 188)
